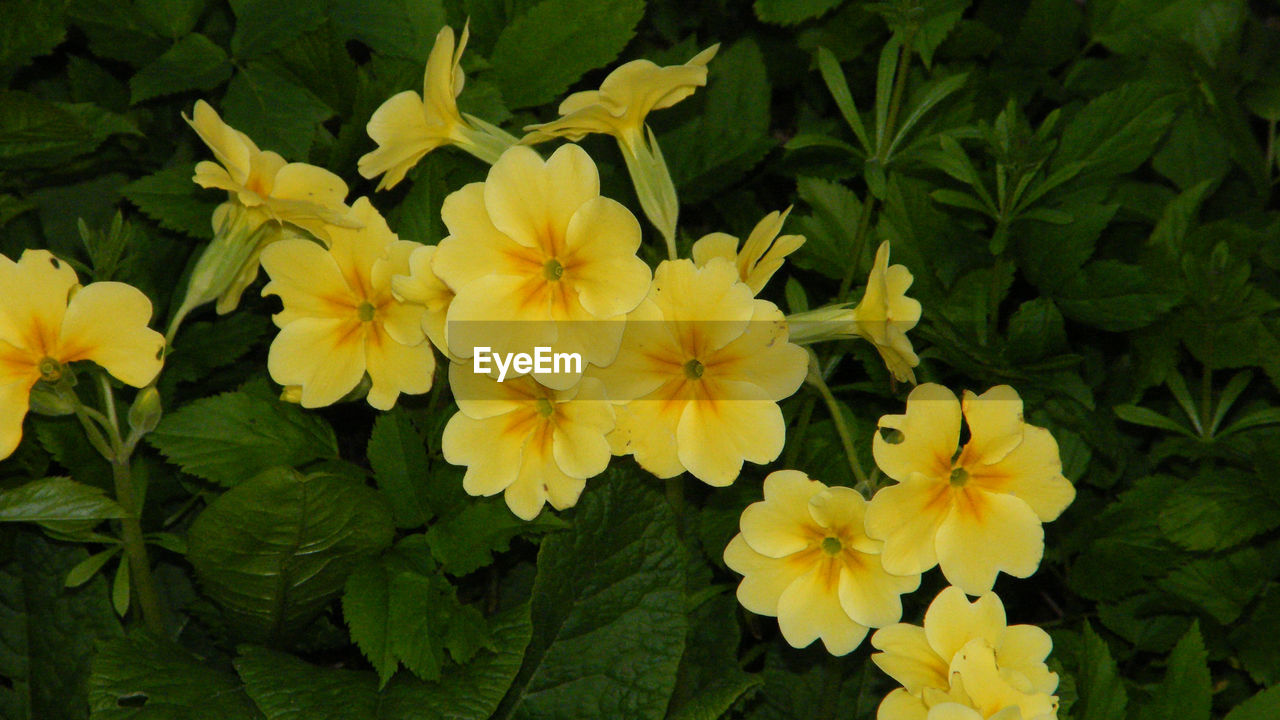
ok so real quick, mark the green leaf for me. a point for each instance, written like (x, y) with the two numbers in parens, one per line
(193, 63)
(709, 680)
(834, 77)
(49, 632)
(366, 603)
(233, 436)
(1218, 510)
(790, 12)
(1150, 418)
(57, 499)
(397, 452)
(1220, 586)
(145, 678)
(609, 594)
(264, 25)
(286, 688)
(396, 28)
(84, 571)
(1036, 330)
(1117, 131)
(830, 229)
(1185, 692)
(466, 541)
(1116, 296)
(276, 112)
(1253, 638)
(36, 133)
(209, 345)
(1263, 706)
(171, 198)
(30, 29)
(273, 551)
(545, 50)
(1102, 695)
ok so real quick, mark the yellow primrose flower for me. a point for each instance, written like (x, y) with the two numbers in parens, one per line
(966, 655)
(979, 513)
(702, 367)
(48, 321)
(537, 258)
(267, 196)
(619, 108)
(422, 287)
(408, 125)
(882, 318)
(761, 256)
(340, 319)
(533, 444)
(805, 559)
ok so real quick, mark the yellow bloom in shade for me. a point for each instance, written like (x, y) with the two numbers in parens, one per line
(340, 319)
(422, 287)
(761, 255)
(47, 321)
(531, 443)
(702, 367)
(806, 560)
(408, 125)
(537, 258)
(966, 662)
(979, 513)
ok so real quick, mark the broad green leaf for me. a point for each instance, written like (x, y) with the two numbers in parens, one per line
(36, 133)
(366, 602)
(145, 678)
(171, 198)
(1116, 296)
(264, 25)
(47, 632)
(545, 50)
(609, 594)
(790, 12)
(1263, 706)
(397, 452)
(1116, 131)
(397, 28)
(1185, 692)
(796, 686)
(1102, 694)
(231, 437)
(1222, 585)
(1219, 509)
(117, 30)
(273, 551)
(1170, 233)
(1253, 639)
(30, 29)
(286, 688)
(57, 499)
(830, 229)
(709, 681)
(466, 541)
(277, 113)
(193, 63)
(1036, 330)
(171, 18)
(203, 347)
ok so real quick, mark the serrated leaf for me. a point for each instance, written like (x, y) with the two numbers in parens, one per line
(1102, 694)
(366, 608)
(57, 499)
(273, 551)
(1116, 296)
(1117, 131)
(1218, 510)
(277, 113)
(1220, 586)
(398, 455)
(609, 594)
(1263, 706)
(193, 63)
(466, 541)
(545, 50)
(790, 12)
(1036, 330)
(829, 230)
(30, 29)
(233, 436)
(1185, 692)
(709, 681)
(145, 678)
(170, 198)
(264, 25)
(286, 688)
(396, 28)
(37, 133)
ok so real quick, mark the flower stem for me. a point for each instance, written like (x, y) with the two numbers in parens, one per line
(842, 428)
(135, 546)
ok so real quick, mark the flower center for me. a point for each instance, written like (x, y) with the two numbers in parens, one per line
(50, 370)
(959, 476)
(693, 369)
(552, 270)
(366, 311)
(544, 407)
(832, 546)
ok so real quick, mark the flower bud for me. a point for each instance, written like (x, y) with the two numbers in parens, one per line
(47, 400)
(146, 410)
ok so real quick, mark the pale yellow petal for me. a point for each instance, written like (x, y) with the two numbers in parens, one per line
(308, 281)
(975, 663)
(490, 449)
(871, 596)
(951, 621)
(713, 245)
(600, 260)
(762, 356)
(930, 432)
(809, 609)
(399, 127)
(901, 705)
(907, 657)
(231, 147)
(995, 424)
(531, 201)
(987, 533)
(357, 250)
(312, 185)
(526, 496)
(1022, 650)
(780, 524)
(211, 175)
(396, 368)
(1031, 472)
(953, 711)
(764, 578)
(501, 313)
(106, 322)
(442, 80)
(36, 293)
(906, 517)
(581, 428)
(323, 355)
(475, 248)
(649, 429)
(14, 397)
(730, 423)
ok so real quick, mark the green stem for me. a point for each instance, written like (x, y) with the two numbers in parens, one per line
(994, 296)
(135, 546)
(842, 428)
(895, 100)
(859, 239)
(801, 427)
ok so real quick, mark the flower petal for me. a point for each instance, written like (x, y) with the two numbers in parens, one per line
(600, 261)
(1023, 649)
(1031, 472)
(995, 424)
(809, 609)
(396, 368)
(906, 517)
(907, 657)
(987, 533)
(728, 423)
(14, 398)
(764, 578)
(399, 127)
(951, 621)
(869, 595)
(780, 524)
(581, 428)
(930, 433)
(36, 290)
(489, 448)
(106, 322)
(323, 355)
(532, 201)
(308, 281)
(231, 147)
(901, 705)
(762, 356)
(647, 429)
(475, 248)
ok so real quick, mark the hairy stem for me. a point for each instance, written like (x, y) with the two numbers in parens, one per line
(135, 546)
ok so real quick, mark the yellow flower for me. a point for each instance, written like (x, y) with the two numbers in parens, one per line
(619, 108)
(537, 258)
(408, 125)
(702, 367)
(340, 319)
(966, 656)
(882, 318)
(761, 256)
(267, 196)
(47, 321)
(979, 513)
(805, 559)
(421, 286)
(531, 443)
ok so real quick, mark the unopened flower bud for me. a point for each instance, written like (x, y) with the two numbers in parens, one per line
(146, 410)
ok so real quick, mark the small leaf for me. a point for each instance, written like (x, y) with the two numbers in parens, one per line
(1102, 695)
(84, 571)
(120, 587)
(1150, 418)
(57, 499)
(193, 63)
